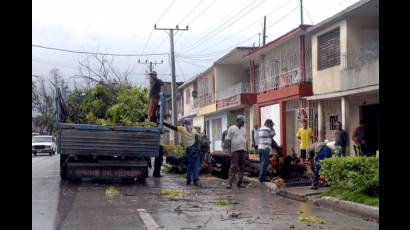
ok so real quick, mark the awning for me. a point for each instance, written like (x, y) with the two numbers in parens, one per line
(367, 89)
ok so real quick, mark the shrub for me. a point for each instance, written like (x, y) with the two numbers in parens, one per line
(356, 174)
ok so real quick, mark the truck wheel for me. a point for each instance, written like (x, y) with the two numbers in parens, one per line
(63, 167)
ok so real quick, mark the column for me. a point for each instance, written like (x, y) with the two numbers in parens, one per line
(283, 127)
(320, 120)
(345, 120)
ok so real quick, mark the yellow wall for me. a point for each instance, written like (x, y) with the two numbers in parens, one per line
(207, 109)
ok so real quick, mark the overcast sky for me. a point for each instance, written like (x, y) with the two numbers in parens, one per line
(126, 26)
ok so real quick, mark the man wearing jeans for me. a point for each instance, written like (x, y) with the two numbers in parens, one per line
(236, 141)
(265, 136)
(190, 142)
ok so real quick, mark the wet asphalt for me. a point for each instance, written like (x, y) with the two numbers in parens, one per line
(109, 205)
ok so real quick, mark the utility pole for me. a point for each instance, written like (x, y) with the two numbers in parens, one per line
(151, 64)
(173, 82)
(301, 12)
(264, 30)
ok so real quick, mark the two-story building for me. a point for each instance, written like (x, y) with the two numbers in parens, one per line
(345, 71)
(281, 77)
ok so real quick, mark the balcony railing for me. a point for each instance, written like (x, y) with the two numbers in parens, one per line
(204, 100)
(242, 87)
(280, 81)
(357, 59)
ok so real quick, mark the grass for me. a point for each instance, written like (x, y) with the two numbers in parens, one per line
(343, 194)
(171, 192)
(222, 202)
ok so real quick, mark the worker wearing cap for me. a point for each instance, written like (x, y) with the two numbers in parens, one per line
(156, 90)
(321, 151)
(237, 145)
(190, 143)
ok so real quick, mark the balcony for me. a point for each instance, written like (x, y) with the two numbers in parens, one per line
(242, 87)
(280, 81)
(236, 95)
(205, 99)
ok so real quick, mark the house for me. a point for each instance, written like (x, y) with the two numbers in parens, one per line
(345, 72)
(280, 72)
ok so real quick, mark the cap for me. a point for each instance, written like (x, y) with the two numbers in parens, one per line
(153, 73)
(240, 117)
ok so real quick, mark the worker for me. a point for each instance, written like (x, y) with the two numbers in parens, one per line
(224, 146)
(321, 151)
(265, 137)
(190, 142)
(156, 90)
(237, 145)
(305, 136)
(358, 139)
(341, 140)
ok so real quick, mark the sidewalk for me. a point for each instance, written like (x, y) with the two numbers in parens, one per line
(304, 193)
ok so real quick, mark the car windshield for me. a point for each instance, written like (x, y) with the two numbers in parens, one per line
(42, 139)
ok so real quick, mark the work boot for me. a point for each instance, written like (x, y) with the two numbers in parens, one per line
(196, 183)
(313, 187)
(188, 182)
(240, 185)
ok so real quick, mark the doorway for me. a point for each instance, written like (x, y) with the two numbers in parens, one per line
(370, 117)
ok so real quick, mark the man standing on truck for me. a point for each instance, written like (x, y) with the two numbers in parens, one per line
(236, 141)
(190, 143)
(156, 89)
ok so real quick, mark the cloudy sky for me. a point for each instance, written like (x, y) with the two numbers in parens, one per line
(126, 27)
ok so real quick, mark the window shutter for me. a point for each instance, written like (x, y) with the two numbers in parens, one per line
(329, 49)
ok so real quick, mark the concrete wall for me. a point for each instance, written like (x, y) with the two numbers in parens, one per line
(341, 77)
(188, 108)
(216, 144)
(291, 129)
(327, 80)
(229, 75)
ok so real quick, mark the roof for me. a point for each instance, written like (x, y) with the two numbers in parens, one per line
(235, 56)
(301, 29)
(363, 8)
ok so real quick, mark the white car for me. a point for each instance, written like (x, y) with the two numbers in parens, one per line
(43, 144)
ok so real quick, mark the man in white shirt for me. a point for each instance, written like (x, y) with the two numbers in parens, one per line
(236, 141)
(266, 134)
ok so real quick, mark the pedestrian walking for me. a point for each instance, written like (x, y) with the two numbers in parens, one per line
(265, 138)
(359, 141)
(305, 136)
(341, 140)
(156, 90)
(237, 145)
(190, 143)
(320, 151)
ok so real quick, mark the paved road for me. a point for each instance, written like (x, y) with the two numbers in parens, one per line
(110, 205)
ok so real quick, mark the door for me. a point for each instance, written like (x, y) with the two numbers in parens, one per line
(370, 117)
(272, 112)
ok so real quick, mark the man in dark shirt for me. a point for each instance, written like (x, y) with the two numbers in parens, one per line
(341, 140)
(358, 139)
(154, 95)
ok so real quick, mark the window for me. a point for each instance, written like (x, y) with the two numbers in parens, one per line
(329, 49)
(333, 120)
(188, 96)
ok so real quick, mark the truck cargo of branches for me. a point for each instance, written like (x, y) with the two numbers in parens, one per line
(97, 151)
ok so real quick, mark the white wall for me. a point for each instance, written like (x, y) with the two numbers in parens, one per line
(216, 144)
(229, 75)
(272, 112)
(188, 108)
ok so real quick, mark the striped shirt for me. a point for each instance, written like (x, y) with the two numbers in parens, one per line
(265, 137)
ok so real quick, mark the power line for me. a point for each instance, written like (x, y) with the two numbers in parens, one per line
(283, 17)
(248, 26)
(307, 12)
(215, 31)
(191, 11)
(160, 17)
(97, 53)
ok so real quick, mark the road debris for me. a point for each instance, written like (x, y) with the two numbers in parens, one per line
(111, 192)
(171, 192)
(222, 202)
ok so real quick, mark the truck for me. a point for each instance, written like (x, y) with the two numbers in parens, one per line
(96, 151)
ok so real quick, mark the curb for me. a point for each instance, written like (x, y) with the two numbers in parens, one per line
(351, 207)
(326, 201)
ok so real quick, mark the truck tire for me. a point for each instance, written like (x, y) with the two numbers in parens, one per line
(63, 167)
